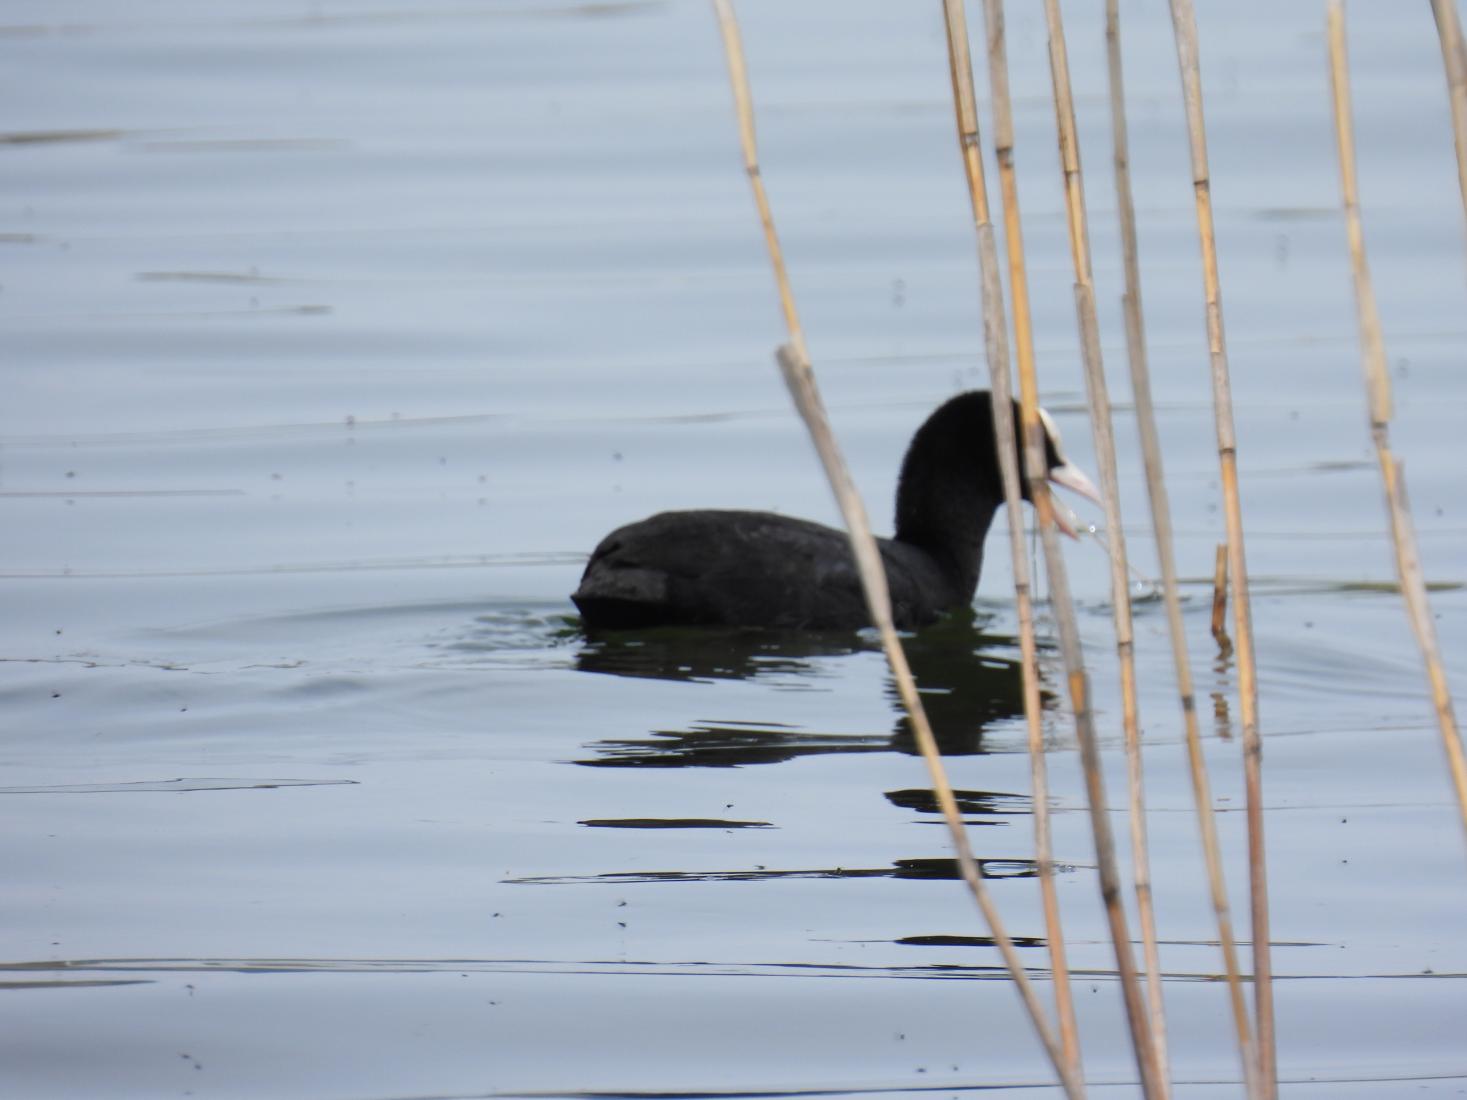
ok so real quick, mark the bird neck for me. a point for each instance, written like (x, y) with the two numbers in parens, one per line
(950, 528)
(950, 487)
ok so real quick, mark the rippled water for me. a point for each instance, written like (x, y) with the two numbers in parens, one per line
(337, 333)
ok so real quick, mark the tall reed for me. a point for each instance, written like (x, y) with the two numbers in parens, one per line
(1103, 430)
(1184, 27)
(1454, 59)
(795, 364)
(996, 343)
(1377, 385)
(1161, 522)
(1153, 1084)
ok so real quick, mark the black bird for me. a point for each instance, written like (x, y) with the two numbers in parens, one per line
(731, 568)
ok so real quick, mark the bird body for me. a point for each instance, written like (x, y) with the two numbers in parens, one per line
(737, 568)
(714, 567)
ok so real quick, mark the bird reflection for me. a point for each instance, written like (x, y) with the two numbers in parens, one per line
(965, 681)
(927, 869)
(968, 681)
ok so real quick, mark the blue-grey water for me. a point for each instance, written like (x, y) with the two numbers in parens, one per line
(336, 334)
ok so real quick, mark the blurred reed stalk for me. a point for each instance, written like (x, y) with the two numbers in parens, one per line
(1103, 430)
(1454, 59)
(794, 362)
(1377, 386)
(1161, 521)
(1153, 1083)
(996, 343)
(1184, 27)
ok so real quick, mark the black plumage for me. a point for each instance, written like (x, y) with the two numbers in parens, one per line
(737, 568)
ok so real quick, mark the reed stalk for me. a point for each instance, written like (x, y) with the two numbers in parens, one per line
(1161, 522)
(1454, 59)
(799, 375)
(1184, 27)
(1152, 1078)
(995, 335)
(1377, 386)
(1103, 430)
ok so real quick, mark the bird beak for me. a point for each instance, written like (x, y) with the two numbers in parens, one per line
(1075, 479)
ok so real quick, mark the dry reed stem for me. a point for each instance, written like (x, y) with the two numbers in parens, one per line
(1184, 26)
(800, 377)
(1153, 1083)
(1454, 59)
(1161, 523)
(744, 106)
(1373, 358)
(1103, 430)
(995, 334)
(1220, 600)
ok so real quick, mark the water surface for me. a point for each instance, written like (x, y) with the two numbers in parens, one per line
(338, 334)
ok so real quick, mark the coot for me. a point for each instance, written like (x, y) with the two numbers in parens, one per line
(735, 568)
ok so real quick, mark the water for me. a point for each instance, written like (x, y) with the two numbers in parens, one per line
(338, 333)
